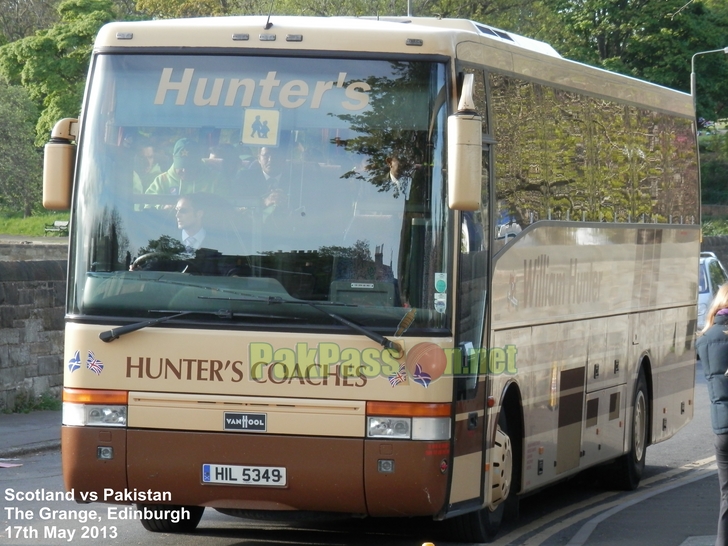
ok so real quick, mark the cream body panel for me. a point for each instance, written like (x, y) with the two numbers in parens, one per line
(622, 309)
(464, 487)
(283, 415)
(229, 363)
(322, 34)
(574, 76)
(571, 271)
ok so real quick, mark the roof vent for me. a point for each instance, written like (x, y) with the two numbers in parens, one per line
(493, 32)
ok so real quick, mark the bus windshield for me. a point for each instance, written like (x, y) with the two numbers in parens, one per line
(264, 190)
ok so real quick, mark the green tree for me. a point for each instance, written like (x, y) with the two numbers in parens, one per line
(501, 10)
(168, 9)
(52, 64)
(661, 53)
(20, 160)
(21, 18)
(648, 39)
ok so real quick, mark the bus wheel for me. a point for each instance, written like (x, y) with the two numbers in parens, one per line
(627, 472)
(166, 518)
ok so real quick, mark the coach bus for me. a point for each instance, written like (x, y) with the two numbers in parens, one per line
(437, 267)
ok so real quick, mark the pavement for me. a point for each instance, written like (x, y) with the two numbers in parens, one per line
(682, 512)
(24, 433)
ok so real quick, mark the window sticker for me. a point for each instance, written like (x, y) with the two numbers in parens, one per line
(441, 282)
(260, 127)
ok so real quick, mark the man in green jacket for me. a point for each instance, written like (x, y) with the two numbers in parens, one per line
(186, 174)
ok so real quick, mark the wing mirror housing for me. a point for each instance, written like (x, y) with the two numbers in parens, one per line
(59, 159)
(464, 152)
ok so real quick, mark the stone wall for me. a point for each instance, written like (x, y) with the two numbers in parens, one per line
(34, 250)
(718, 245)
(32, 301)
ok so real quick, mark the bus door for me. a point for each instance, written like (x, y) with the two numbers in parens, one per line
(469, 433)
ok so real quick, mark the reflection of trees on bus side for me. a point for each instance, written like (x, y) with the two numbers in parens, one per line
(166, 245)
(393, 126)
(111, 242)
(403, 111)
(566, 156)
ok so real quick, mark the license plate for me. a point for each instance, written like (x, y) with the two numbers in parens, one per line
(244, 475)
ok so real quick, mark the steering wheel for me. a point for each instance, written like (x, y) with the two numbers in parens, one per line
(159, 261)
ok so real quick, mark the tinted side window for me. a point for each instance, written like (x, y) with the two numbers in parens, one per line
(717, 276)
(703, 280)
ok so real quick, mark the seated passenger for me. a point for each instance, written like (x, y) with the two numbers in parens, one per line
(186, 175)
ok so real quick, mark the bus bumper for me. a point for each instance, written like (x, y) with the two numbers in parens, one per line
(344, 475)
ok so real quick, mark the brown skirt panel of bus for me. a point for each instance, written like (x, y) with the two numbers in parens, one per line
(87, 468)
(322, 474)
(406, 478)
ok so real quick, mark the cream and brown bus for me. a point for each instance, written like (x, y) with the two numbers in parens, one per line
(434, 266)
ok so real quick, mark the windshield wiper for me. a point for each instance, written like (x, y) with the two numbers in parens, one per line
(383, 341)
(115, 333)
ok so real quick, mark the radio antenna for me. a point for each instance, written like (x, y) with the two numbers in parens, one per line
(268, 24)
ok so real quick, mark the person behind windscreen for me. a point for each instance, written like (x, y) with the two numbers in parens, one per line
(146, 165)
(270, 170)
(186, 173)
(189, 220)
(263, 182)
(712, 347)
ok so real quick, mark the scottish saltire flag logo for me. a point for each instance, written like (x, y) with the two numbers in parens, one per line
(205, 472)
(423, 378)
(94, 365)
(399, 377)
(75, 363)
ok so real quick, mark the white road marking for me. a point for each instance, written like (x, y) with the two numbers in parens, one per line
(703, 468)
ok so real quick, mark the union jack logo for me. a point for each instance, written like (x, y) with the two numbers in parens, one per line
(94, 365)
(75, 363)
(399, 377)
(423, 378)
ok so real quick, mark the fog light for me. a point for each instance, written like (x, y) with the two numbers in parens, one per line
(385, 466)
(105, 453)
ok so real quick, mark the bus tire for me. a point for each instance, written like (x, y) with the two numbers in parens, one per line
(627, 472)
(160, 521)
(482, 525)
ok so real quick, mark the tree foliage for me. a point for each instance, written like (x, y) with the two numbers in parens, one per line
(21, 18)
(500, 10)
(648, 39)
(52, 64)
(20, 161)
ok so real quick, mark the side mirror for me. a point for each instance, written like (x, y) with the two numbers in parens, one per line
(464, 152)
(59, 158)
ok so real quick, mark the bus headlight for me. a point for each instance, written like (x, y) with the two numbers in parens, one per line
(389, 427)
(82, 415)
(94, 407)
(409, 421)
(415, 428)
